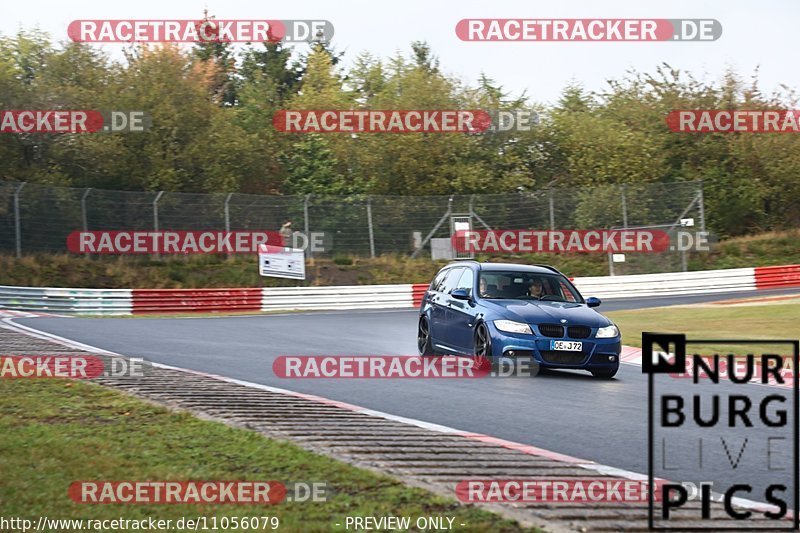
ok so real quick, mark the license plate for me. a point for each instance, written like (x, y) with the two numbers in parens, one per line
(566, 346)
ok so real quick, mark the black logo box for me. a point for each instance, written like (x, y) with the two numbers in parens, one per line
(678, 365)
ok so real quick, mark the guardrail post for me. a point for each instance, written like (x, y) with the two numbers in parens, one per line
(371, 234)
(17, 221)
(83, 209)
(155, 213)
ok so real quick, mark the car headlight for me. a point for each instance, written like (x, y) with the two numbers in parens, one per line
(512, 327)
(607, 332)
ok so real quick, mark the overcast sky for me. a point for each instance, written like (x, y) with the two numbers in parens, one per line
(764, 33)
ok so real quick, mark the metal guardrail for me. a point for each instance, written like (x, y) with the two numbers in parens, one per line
(341, 297)
(139, 301)
(668, 284)
(67, 301)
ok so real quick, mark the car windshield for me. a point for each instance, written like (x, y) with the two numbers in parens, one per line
(496, 285)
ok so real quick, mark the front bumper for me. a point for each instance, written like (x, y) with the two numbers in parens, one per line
(596, 353)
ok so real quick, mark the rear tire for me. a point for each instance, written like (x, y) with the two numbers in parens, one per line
(424, 345)
(604, 373)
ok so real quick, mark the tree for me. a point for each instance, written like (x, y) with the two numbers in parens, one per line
(272, 63)
(312, 168)
(214, 59)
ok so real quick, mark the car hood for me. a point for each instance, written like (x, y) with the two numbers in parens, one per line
(536, 312)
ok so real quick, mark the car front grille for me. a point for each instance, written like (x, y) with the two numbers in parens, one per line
(578, 332)
(551, 330)
(562, 358)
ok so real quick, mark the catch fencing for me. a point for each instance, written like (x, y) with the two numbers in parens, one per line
(398, 296)
(36, 218)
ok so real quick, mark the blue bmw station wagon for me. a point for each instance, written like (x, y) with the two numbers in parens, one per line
(499, 310)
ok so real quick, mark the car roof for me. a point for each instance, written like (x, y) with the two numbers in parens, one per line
(513, 267)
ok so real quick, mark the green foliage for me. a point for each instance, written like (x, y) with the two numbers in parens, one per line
(312, 168)
(212, 107)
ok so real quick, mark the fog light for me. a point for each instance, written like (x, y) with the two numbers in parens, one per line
(612, 358)
(511, 353)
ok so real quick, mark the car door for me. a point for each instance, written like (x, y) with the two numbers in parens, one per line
(461, 315)
(440, 306)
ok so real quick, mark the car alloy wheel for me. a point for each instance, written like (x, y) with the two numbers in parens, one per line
(424, 338)
(483, 347)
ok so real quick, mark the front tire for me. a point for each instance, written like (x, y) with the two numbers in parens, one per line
(482, 356)
(424, 344)
(604, 373)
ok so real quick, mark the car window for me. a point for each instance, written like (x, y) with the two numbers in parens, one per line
(436, 284)
(467, 281)
(566, 293)
(452, 279)
(528, 286)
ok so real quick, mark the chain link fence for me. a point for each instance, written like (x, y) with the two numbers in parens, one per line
(36, 218)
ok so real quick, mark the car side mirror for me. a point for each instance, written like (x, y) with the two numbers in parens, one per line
(460, 294)
(591, 301)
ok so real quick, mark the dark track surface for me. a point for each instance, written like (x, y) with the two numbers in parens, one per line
(567, 412)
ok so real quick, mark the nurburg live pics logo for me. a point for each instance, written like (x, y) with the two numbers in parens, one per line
(742, 403)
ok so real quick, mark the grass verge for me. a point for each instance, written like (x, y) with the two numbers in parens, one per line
(54, 432)
(745, 322)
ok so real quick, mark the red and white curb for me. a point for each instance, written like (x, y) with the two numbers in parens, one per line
(633, 356)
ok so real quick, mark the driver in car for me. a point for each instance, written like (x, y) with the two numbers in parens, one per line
(483, 289)
(536, 288)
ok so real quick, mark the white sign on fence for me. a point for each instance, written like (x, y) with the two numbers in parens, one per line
(278, 262)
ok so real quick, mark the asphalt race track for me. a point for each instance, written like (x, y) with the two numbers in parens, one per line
(566, 412)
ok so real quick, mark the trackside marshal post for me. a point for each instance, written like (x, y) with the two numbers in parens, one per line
(280, 262)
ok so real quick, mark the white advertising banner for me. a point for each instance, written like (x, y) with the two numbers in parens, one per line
(279, 262)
